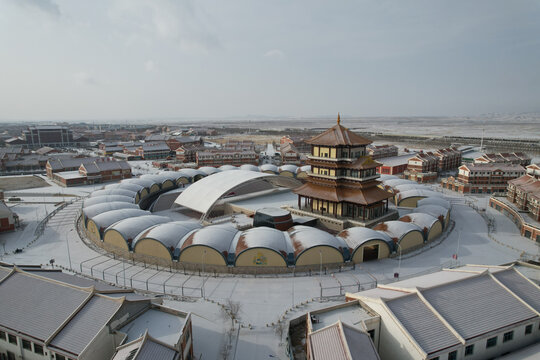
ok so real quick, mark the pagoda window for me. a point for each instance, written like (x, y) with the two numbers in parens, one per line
(332, 172)
(333, 153)
(316, 151)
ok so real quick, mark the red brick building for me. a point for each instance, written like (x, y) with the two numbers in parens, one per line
(449, 158)
(99, 170)
(483, 178)
(394, 165)
(188, 153)
(506, 158)
(8, 219)
(217, 158)
(289, 154)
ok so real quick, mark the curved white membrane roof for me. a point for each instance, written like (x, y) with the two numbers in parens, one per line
(358, 236)
(96, 209)
(435, 201)
(107, 199)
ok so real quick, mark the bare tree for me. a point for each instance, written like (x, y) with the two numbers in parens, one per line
(231, 310)
(280, 329)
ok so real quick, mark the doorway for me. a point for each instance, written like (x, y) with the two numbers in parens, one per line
(371, 252)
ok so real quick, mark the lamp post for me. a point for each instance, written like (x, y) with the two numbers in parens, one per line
(320, 269)
(67, 244)
(399, 261)
(204, 278)
(292, 305)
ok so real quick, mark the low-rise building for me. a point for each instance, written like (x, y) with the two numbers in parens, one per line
(9, 221)
(505, 158)
(289, 154)
(83, 171)
(483, 178)
(476, 312)
(151, 150)
(188, 153)
(217, 158)
(394, 165)
(299, 143)
(382, 151)
(449, 158)
(47, 314)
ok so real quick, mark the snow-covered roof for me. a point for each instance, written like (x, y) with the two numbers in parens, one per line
(433, 210)
(114, 191)
(190, 173)
(250, 167)
(218, 237)
(107, 199)
(262, 237)
(288, 167)
(126, 186)
(147, 183)
(304, 168)
(357, 236)
(227, 167)
(209, 170)
(158, 178)
(202, 195)
(417, 193)
(423, 220)
(407, 187)
(96, 209)
(435, 201)
(169, 234)
(305, 237)
(132, 226)
(269, 167)
(396, 182)
(106, 219)
(397, 229)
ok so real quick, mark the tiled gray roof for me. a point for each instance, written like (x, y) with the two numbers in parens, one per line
(424, 326)
(152, 350)
(4, 273)
(72, 279)
(520, 286)
(327, 344)
(477, 305)
(360, 345)
(36, 307)
(84, 326)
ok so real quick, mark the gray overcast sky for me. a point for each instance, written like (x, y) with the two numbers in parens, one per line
(118, 59)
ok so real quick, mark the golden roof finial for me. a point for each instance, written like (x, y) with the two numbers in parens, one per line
(338, 120)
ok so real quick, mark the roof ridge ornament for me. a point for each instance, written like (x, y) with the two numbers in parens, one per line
(338, 119)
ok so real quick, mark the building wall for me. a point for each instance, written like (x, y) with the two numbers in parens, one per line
(312, 256)
(411, 201)
(19, 351)
(151, 247)
(115, 239)
(92, 232)
(435, 231)
(102, 346)
(260, 257)
(195, 254)
(411, 240)
(384, 251)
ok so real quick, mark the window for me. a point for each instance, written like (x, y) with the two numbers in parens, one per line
(528, 329)
(59, 357)
(13, 339)
(38, 349)
(452, 355)
(469, 350)
(2, 335)
(26, 344)
(491, 342)
(508, 336)
(372, 334)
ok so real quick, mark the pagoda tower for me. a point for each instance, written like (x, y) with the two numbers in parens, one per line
(343, 181)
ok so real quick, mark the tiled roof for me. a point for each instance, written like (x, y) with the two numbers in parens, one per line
(338, 135)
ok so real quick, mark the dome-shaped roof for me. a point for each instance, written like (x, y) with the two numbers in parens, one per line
(227, 167)
(132, 226)
(217, 237)
(423, 220)
(384, 177)
(417, 193)
(269, 167)
(249, 167)
(147, 183)
(433, 210)
(114, 191)
(263, 237)
(96, 209)
(357, 236)
(191, 173)
(396, 182)
(305, 237)
(288, 167)
(407, 187)
(106, 219)
(304, 168)
(125, 186)
(107, 199)
(397, 229)
(169, 234)
(435, 201)
(157, 178)
(209, 170)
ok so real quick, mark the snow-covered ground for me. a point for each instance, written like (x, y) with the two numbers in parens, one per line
(263, 300)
